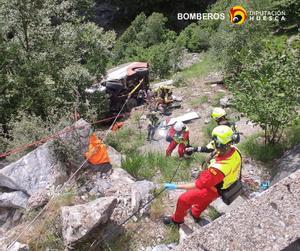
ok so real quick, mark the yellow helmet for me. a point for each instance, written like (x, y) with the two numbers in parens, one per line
(222, 135)
(218, 113)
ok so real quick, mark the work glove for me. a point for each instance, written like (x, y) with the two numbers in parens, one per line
(193, 149)
(170, 186)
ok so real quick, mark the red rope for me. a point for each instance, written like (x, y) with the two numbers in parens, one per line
(53, 136)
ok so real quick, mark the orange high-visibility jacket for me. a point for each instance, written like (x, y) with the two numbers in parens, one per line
(97, 152)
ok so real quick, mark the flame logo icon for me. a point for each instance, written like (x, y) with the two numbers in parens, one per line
(238, 15)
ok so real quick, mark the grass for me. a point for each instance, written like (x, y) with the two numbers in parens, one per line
(293, 134)
(257, 150)
(206, 65)
(217, 97)
(213, 213)
(171, 234)
(149, 165)
(47, 232)
(126, 140)
(120, 243)
(157, 207)
(195, 102)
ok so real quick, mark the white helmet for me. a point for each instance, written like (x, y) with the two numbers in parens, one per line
(178, 126)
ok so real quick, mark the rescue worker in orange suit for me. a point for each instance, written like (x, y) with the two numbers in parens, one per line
(223, 171)
(97, 156)
(178, 135)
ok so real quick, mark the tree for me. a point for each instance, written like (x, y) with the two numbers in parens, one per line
(267, 91)
(148, 39)
(41, 43)
(194, 38)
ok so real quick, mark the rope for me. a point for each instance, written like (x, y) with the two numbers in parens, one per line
(53, 136)
(70, 178)
(112, 232)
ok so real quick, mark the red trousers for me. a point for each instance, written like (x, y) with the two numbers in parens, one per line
(197, 199)
(172, 146)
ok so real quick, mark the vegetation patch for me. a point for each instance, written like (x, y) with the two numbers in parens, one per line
(126, 140)
(171, 234)
(47, 233)
(156, 164)
(195, 102)
(206, 65)
(255, 147)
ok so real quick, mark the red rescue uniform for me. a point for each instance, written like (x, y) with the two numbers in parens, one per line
(223, 169)
(181, 139)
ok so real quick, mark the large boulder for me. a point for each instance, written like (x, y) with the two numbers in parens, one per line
(287, 164)
(77, 138)
(81, 220)
(140, 193)
(36, 170)
(7, 182)
(115, 157)
(41, 168)
(15, 199)
(17, 246)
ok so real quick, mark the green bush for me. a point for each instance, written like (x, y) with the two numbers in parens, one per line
(148, 39)
(259, 151)
(26, 129)
(267, 93)
(55, 55)
(194, 38)
(293, 133)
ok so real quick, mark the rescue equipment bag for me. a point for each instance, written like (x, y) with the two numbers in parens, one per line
(231, 193)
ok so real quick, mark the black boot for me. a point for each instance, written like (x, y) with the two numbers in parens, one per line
(202, 222)
(167, 220)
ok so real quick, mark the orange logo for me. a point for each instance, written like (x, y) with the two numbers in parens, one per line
(238, 15)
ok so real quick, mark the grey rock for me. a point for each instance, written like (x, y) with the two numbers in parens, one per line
(161, 247)
(214, 78)
(287, 164)
(15, 199)
(77, 136)
(81, 220)
(268, 222)
(140, 191)
(7, 182)
(19, 247)
(225, 101)
(115, 157)
(172, 246)
(120, 180)
(38, 199)
(36, 170)
(4, 214)
(40, 168)
(221, 207)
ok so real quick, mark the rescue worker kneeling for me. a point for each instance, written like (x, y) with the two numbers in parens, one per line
(97, 156)
(223, 171)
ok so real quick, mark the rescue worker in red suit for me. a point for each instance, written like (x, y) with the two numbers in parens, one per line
(178, 135)
(224, 169)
